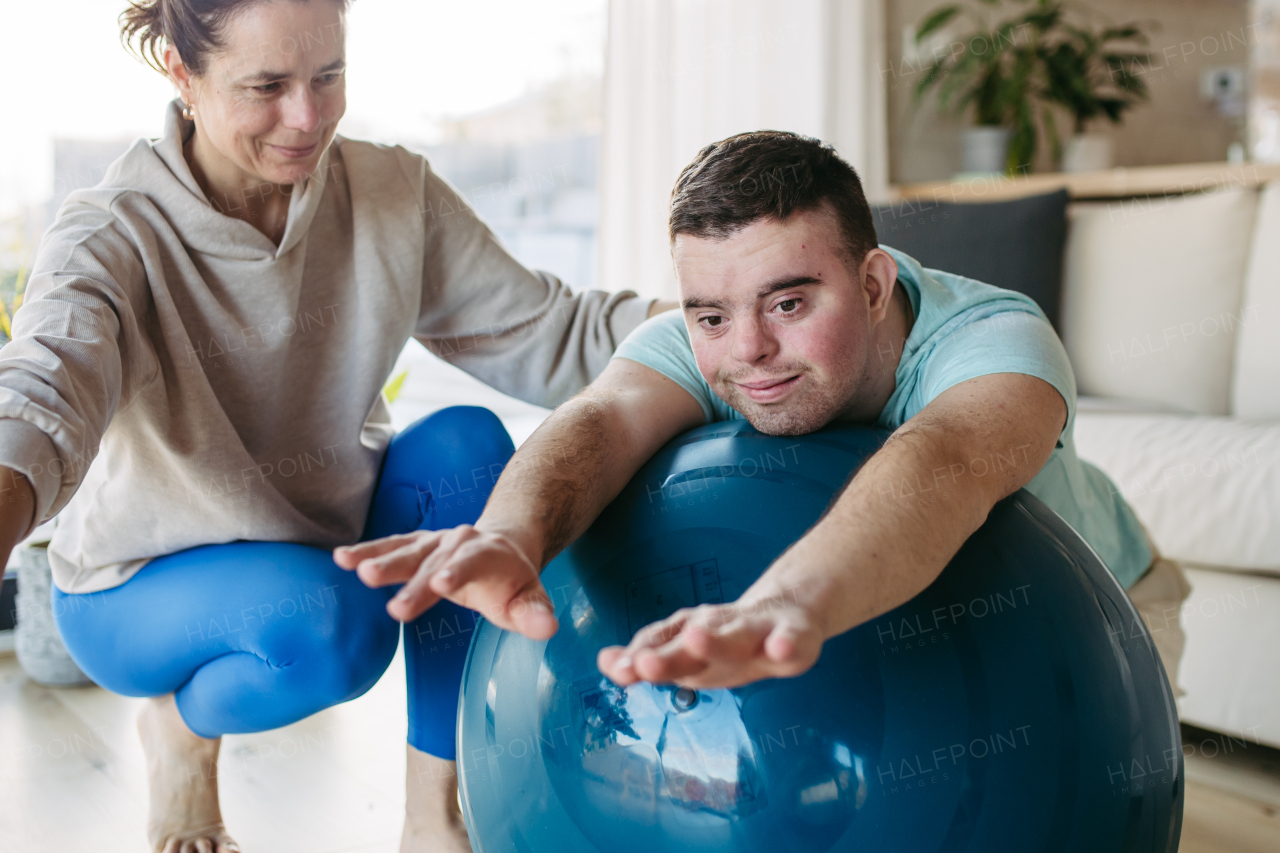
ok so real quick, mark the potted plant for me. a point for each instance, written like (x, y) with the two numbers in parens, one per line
(1018, 70)
(1091, 73)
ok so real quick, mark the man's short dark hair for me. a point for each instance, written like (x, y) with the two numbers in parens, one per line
(769, 174)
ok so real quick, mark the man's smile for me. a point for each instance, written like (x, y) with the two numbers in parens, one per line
(770, 390)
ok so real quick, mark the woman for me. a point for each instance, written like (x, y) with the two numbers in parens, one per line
(211, 328)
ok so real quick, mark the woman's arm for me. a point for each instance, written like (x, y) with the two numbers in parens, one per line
(63, 375)
(525, 333)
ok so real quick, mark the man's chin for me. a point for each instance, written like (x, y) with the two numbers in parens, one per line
(783, 421)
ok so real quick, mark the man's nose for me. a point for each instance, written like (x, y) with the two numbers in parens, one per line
(753, 342)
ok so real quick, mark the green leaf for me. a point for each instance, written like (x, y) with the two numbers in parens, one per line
(937, 19)
(1051, 131)
(393, 386)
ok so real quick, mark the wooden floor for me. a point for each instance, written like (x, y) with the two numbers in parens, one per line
(71, 774)
(71, 778)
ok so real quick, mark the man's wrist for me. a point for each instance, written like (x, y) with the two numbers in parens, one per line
(780, 587)
(525, 538)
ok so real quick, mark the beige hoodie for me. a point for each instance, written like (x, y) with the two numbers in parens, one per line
(175, 379)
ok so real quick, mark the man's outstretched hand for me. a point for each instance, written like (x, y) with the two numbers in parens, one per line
(718, 645)
(475, 568)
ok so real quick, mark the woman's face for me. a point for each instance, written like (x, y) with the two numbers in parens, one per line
(269, 102)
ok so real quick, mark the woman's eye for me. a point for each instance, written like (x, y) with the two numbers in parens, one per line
(788, 305)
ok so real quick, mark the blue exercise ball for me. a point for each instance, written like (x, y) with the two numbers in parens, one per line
(1017, 704)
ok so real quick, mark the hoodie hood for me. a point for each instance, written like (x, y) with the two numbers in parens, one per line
(158, 170)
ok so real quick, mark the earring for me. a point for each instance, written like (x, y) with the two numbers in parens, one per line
(189, 112)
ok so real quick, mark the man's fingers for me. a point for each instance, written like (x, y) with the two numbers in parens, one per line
(671, 663)
(349, 556)
(532, 614)
(735, 642)
(512, 602)
(613, 662)
(398, 565)
(413, 599)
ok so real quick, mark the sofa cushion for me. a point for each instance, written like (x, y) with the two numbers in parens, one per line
(1256, 379)
(1152, 293)
(1015, 244)
(1207, 488)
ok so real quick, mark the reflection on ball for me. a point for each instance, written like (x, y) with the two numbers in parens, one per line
(1017, 704)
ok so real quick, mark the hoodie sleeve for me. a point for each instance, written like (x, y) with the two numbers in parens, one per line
(63, 373)
(523, 332)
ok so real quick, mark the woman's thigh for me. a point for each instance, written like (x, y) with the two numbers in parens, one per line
(251, 635)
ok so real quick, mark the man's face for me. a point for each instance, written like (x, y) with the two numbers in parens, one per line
(778, 320)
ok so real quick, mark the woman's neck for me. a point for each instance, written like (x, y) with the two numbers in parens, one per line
(263, 205)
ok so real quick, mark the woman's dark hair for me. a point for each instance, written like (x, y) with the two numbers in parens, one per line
(769, 174)
(193, 27)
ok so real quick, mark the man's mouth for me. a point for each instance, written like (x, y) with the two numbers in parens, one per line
(769, 390)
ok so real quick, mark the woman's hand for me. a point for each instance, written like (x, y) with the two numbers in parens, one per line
(475, 568)
(718, 645)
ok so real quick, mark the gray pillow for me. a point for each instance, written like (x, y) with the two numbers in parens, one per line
(1016, 245)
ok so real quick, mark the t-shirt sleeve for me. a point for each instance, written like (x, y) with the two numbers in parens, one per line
(662, 344)
(1005, 342)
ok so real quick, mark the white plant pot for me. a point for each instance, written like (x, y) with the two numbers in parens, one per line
(1087, 152)
(35, 638)
(983, 150)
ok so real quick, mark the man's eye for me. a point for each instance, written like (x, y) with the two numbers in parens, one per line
(269, 89)
(788, 305)
(712, 322)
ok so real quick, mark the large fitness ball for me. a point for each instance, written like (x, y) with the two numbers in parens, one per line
(1017, 704)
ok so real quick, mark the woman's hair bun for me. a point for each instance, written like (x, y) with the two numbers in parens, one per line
(193, 27)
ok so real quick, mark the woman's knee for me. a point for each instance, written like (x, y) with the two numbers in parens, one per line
(342, 643)
(439, 471)
(458, 438)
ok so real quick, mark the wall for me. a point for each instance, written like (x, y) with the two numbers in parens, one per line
(1175, 126)
(683, 73)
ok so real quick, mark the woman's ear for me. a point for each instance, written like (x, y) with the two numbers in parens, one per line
(879, 274)
(179, 74)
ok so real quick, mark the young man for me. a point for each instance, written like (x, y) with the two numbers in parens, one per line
(793, 318)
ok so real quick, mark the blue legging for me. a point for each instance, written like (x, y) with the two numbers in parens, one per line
(251, 636)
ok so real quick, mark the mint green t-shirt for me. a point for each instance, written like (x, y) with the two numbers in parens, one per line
(963, 329)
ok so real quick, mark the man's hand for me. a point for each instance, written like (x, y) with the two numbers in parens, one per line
(718, 645)
(475, 568)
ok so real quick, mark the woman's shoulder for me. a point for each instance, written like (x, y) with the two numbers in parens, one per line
(378, 157)
(380, 165)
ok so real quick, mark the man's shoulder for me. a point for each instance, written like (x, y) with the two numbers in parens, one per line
(944, 301)
(662, 343)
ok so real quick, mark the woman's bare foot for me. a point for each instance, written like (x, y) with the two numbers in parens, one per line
(182, 767)
(432, 818)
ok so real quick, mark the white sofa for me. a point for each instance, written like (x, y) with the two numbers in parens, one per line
(1171, 316)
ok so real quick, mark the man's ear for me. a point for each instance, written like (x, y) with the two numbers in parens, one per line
(878, 273)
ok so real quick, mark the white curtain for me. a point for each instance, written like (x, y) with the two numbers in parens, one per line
(684, 73)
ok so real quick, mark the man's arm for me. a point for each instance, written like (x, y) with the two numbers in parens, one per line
(875, 549)
(549, 493)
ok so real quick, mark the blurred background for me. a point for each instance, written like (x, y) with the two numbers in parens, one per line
(1125, 172)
